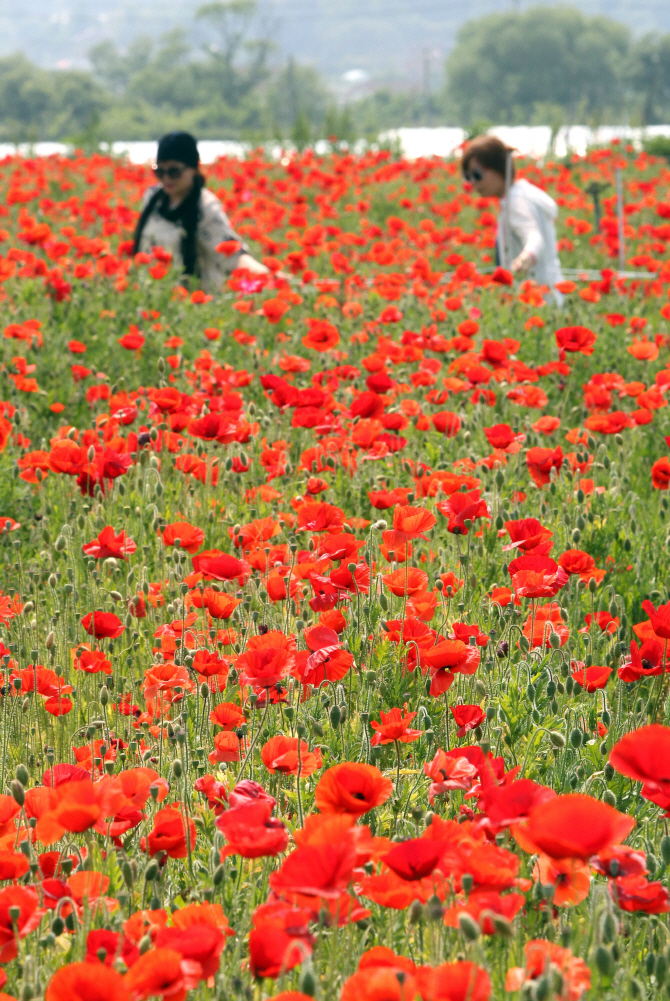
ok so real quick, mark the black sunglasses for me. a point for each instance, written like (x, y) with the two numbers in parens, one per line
(173, 173)
(473, 175)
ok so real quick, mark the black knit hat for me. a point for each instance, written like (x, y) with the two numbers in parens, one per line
(179, 146)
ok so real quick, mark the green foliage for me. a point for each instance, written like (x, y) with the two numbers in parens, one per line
(505, 65)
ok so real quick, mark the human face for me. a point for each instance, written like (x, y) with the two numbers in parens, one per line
(176, 178)
(486, 182)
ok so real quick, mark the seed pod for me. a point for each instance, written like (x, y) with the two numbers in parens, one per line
(17, 791)
(151, 871)
(604, 961)
(661, 969)
(128, 876)
(468, 927)
(664, 846)
(434, 909)
(307, 983)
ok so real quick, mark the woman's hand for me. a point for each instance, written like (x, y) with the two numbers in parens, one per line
(521, 263)
(250, 263)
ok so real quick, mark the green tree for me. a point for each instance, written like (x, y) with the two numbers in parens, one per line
(649, 77)
(296, 94)
(503, 65)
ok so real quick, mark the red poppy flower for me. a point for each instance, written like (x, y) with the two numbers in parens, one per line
(87, 982)
(170, 834)
(659, 618)
(529, 535)
(576, 339)
(190, 538)
(462, 507)
(108, 543)
(660, 473)
(353, 788)
(280, 754)
(461, 981)
(160, 972)
(103, 625)
(635, 893)
(536, 576)
(644, 755)
(416, 858)
(26, 900)
(592, 678)
(541, 461)
(251, 831)
(394, 726)
(467, 718)
(574, 826)
(541, 955)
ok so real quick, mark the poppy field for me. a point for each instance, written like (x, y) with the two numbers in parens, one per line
(334, 608)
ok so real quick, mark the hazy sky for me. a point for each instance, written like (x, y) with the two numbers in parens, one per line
(386, 38)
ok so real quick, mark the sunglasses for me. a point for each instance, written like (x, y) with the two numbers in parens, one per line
(474, 175)
(173, 173)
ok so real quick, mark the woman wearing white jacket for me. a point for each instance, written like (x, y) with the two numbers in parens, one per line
(526, 240)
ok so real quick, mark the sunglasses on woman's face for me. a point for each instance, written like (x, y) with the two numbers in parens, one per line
(173, 173)
(473, 175)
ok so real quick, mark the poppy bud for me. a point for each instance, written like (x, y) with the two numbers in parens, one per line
(415, 912)
(660, 969)
(335, 716)
(467, 881)
(434, 909)
(604, 961)
(18, 791)
(128, 876)
(307, 983)
(145, 944)
(58, 926)
(151, 871)
(665, 848)
(609, 798)
(556, 738)
(177, 768)
(524, 645)
(468, 927)
(500, 478)
(576, 735)
(219, 872)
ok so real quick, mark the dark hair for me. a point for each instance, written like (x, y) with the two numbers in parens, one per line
(182, 147)
(179, 146)
(490, 152)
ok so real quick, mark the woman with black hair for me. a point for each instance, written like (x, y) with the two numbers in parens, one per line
(180, 215)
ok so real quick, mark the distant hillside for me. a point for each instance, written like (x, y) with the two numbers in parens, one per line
(401, 40)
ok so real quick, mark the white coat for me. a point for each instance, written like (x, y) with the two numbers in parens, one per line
(527, 223)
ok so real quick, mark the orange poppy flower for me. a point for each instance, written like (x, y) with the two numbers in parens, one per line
(280, 754)
(190, 538)
(573, 826)
(160, 972)
(87, 982)
(352, 788)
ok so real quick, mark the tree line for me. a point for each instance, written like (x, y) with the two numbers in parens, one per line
(546, 65)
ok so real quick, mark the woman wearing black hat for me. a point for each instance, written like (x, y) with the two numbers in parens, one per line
(182, 216)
